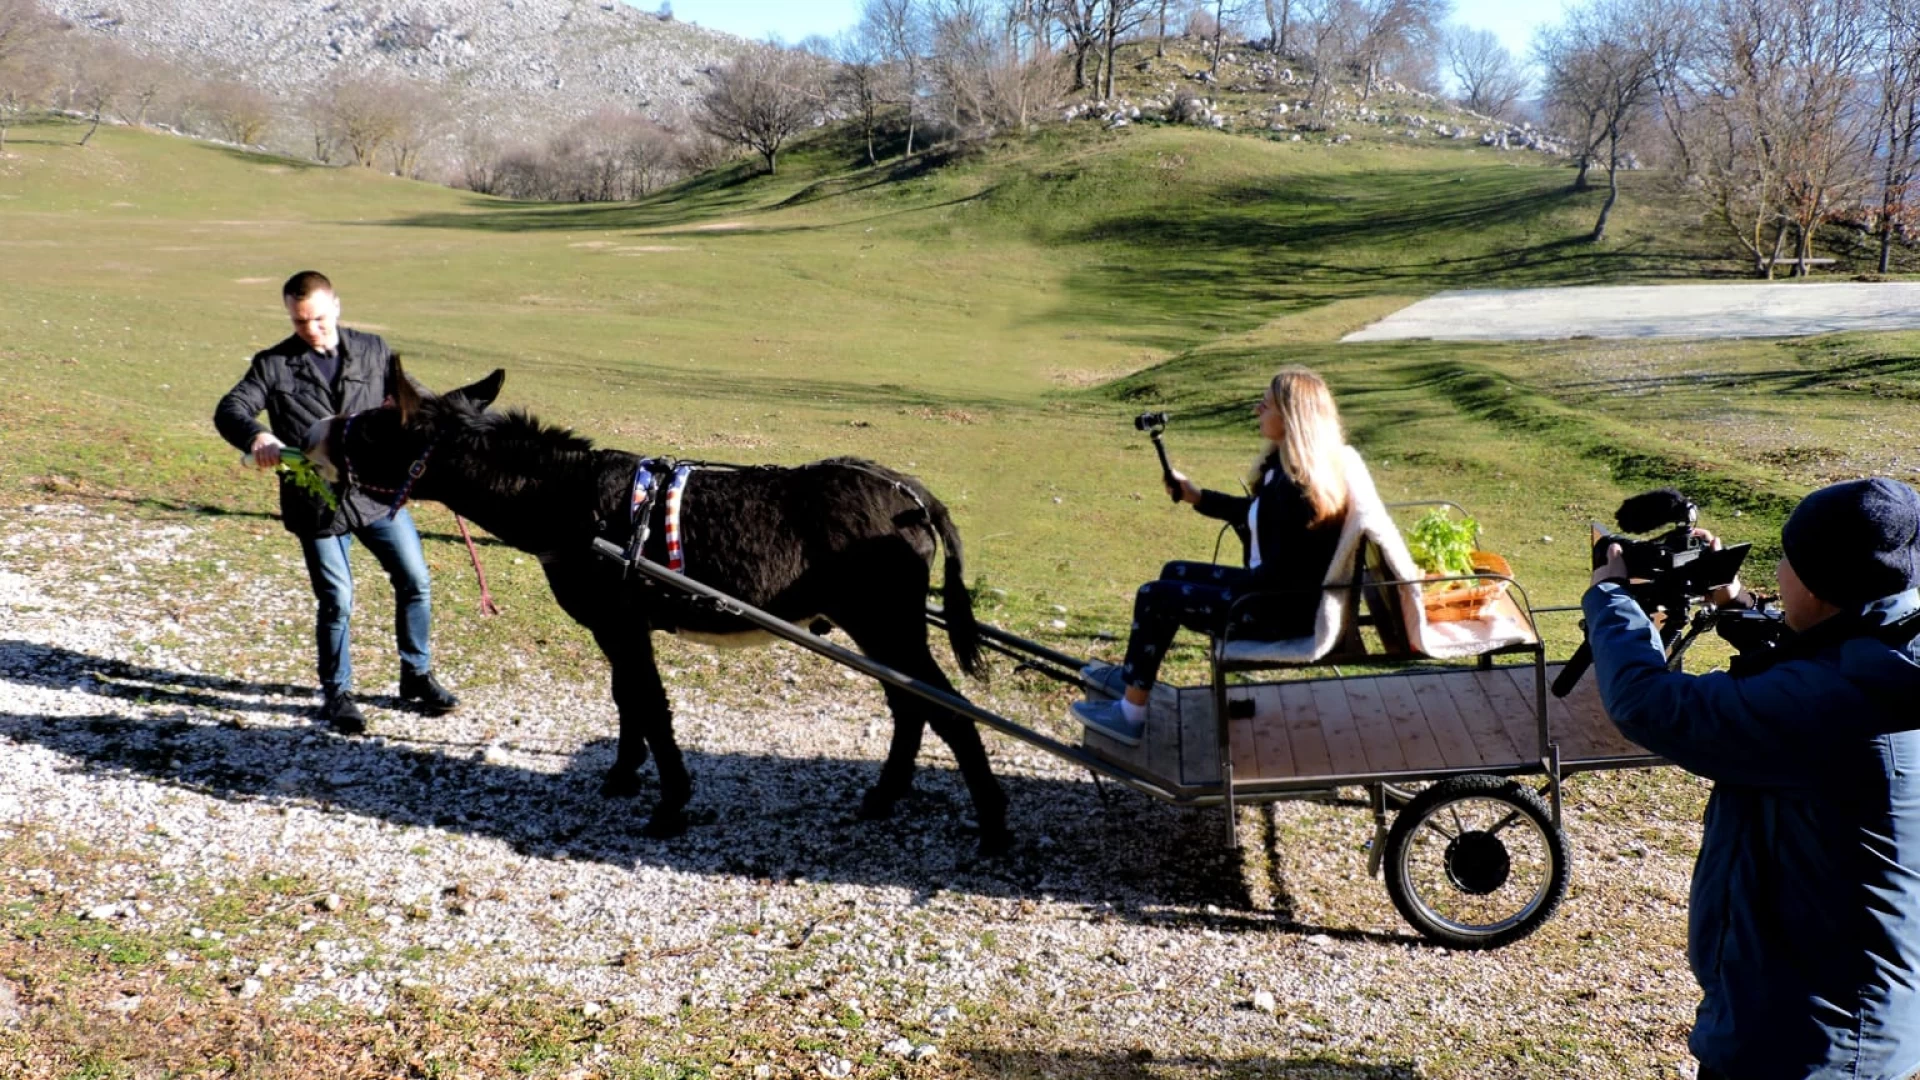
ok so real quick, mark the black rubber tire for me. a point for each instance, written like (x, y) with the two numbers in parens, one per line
(1476, 864)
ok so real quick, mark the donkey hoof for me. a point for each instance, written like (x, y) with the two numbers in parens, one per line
(877, 805)
(620, 783)
(995, 842)
(666, 824)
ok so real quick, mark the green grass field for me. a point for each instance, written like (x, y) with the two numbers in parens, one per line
(989, 320)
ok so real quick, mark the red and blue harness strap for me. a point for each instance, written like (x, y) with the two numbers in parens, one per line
(676, 559)
(646, 484)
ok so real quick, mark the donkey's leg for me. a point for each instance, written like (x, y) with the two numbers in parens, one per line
(646, 721)
(900, 642)
(896, 776)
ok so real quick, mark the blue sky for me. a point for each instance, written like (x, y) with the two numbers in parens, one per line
(1513, 20)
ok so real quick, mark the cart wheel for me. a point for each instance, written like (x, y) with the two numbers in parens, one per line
(1476, 862)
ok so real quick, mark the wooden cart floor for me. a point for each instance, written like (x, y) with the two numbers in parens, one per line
(1379, 726)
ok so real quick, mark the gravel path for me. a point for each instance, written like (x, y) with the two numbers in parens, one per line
(1778, 309)
(471, 854)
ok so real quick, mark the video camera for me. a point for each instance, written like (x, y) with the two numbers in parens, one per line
(1674, 566)
(1668, 575)
(1153, 423)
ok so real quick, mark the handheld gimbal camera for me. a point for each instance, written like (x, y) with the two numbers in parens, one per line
(1153, 423)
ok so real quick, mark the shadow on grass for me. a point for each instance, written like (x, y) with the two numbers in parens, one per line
(257, 157)
(757, 815)
(1145, 1064)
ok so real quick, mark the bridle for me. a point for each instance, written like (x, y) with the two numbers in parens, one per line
(399, 494)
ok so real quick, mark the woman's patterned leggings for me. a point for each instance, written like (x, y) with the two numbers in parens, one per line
(1195, 595)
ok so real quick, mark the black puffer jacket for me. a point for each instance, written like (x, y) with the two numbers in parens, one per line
(283, 382)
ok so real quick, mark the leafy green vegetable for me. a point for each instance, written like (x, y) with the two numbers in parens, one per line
(1442, 545)
(304, 476)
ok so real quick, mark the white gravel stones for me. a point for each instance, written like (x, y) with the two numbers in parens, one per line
(434, 871)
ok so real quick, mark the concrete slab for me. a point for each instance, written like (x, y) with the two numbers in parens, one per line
(1755, 309)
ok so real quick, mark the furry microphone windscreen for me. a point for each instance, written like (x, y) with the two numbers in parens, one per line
(1654, 510)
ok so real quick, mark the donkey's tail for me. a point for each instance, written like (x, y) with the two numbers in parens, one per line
(963, 633)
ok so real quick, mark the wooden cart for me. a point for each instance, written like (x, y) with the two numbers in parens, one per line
(1474, 859)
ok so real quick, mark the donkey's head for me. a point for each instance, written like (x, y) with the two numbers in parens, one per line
(387, 451)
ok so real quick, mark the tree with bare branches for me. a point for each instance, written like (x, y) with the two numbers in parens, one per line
(239, 112)
(1079, 23)
(26, 77)
(761, 101)
(99, 74)
(899, 27)
(1489, 78)
(857, 86)
(1897, 132)
(1118, 19)
(1279, 15)
(1776, 119)
(983, 78)
(1603, 69)
(1387, 28)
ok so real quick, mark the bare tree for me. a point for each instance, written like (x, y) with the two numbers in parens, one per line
(1489, 78)
(26, 77)
(1385, 28)
(1080, 22)
(1602, 72)
(1160, 35)
(1897, 132)
(760, 101)
(1279, 14)
(982, 75)
(146, 81)
(858, 83)
(98, 77)
(1119, 18)
(361, 115)
(1224, 12)
(422, 115)
(1331, 30)
(239, 112)
(899, 27)
(1777, 121)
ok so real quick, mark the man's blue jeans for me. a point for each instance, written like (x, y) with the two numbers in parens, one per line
(396, 544)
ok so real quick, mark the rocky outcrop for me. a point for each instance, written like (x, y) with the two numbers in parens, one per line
(547, 59)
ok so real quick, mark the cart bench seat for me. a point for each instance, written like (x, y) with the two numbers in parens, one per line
(1418, 725)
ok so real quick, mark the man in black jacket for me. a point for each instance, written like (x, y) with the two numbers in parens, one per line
(326, 369)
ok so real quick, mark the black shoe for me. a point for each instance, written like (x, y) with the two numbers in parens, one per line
(342, 715)
(432, 698)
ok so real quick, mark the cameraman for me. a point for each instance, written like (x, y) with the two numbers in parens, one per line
(1804, 922)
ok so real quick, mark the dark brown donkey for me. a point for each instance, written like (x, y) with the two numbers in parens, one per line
(843, 540)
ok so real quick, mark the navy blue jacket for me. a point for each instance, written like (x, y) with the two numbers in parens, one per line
(1804, 923)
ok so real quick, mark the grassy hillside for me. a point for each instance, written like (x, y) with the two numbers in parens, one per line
(963, 316)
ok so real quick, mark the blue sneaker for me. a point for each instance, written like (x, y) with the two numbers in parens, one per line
(1109, 719)
(1107, 679)
(1110, 680)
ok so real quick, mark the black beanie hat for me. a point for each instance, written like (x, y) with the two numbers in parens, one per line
(1853, 543)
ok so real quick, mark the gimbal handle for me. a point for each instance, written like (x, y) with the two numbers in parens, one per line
(1166, 468)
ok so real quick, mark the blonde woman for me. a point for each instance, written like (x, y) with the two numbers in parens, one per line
(1292, 521)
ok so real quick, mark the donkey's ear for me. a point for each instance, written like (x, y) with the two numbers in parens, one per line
(406, 396)
(481, 394)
